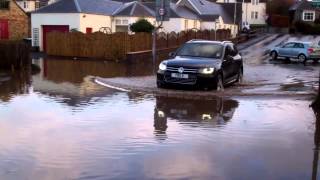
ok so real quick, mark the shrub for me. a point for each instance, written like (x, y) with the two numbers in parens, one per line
(307, 28)
(142, 25)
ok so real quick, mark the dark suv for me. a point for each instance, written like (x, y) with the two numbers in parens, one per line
(201, 63)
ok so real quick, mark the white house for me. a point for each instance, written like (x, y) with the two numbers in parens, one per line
(253, 11)
(82, 15)
(129, 13)
(181, 19)
(211, 15)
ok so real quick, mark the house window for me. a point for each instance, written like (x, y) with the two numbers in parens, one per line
(254, 15)
(186, 24)
(37, 4)
(25, 4)
(125, 22)
(195, 24)
(254, 2)
(118, 21)
(308, 15)
(4, 4)
(35, 33)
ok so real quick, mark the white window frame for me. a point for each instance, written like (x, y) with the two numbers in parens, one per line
(309, 12)
(35, 32)
(254, 2)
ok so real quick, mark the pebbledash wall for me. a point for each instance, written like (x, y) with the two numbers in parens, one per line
(18, 21)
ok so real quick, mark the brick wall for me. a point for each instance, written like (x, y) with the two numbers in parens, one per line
(18, 21)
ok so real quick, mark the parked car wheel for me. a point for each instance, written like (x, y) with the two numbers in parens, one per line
(240, 76)
(219, 83)
(302, 58)
(274, 55)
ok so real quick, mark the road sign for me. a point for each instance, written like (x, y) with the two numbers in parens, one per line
(162, 10)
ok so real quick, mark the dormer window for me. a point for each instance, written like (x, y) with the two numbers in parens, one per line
(4, 4)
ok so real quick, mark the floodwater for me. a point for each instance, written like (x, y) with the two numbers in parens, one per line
(58, 124)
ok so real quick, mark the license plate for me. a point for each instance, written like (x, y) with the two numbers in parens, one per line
(181, 76)
(177, 111)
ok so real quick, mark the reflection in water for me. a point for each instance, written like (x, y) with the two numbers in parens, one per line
(192, 112)
(73, 71)
(12, 84)
(316, 150)
(66, 127)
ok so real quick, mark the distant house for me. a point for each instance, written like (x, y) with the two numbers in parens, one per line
(211, 15)
(81, 15)
(304, 11)
(181, 18)
(14, 22)
(29, 5)
(251, 11)
(129, 13)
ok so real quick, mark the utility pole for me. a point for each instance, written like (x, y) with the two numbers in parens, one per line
(162, 14)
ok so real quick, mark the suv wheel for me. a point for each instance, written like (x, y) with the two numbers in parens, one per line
(274, 55)
(302, 58)
(219, 83)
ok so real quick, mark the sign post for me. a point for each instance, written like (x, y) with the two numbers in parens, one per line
(162, 14)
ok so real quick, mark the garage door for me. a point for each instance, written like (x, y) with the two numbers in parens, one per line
(4, 29)
(48, 28)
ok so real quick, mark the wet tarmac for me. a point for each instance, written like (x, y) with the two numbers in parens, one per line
(60, 124)
(262, 76)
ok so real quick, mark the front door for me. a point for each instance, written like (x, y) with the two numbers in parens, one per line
(51, 28)
(4, 29)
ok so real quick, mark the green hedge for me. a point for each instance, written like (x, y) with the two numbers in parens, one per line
(307, 28)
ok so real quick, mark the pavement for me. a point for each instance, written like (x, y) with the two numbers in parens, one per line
(262, 76)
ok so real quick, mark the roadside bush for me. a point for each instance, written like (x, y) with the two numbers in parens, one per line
(142, 25)
(317, 21)
(307, 28)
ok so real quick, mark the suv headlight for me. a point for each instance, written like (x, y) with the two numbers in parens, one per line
(163, 66)
(206, 70)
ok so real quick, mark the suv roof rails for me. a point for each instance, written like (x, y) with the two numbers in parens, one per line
(226, 42)
(192, 40)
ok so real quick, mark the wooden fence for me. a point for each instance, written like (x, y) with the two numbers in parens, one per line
(117, 45)
(14, 55)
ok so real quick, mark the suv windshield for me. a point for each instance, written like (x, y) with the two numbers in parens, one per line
(206, 50)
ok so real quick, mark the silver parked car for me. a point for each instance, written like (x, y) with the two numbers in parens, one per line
(302, 51)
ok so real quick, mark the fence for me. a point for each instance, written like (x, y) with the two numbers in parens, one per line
(14, 55)
(280, 21)
(117, 45)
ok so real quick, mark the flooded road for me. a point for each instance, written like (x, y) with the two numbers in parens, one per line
(58, 124)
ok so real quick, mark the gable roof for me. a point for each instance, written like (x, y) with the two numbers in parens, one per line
(103, 7)
(302, 5)
(175, 11)
(136, 9)
(206, 9)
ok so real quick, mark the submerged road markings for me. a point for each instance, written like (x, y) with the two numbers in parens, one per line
(110, 86)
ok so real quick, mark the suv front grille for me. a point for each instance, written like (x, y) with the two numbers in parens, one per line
(185, 70)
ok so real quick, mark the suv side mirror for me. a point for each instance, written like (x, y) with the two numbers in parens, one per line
(172, 54)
